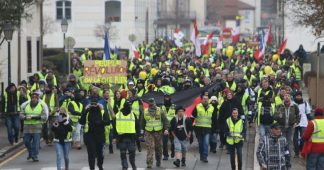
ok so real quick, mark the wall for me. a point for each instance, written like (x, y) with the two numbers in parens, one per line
(30, 29)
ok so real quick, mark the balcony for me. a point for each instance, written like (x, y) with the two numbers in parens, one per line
(171, 17)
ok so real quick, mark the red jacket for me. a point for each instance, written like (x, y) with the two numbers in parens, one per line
(309, 146)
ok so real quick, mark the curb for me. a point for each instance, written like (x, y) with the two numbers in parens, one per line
(256, 165)
(7, 149)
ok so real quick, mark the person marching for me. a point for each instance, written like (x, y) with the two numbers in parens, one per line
(235, 134)
(75, 108)
(155, 124)
(206, 117)
(62, 128)
(168, 108)
(95, 120)
(34, 113)
(181, 129)
(126, 126)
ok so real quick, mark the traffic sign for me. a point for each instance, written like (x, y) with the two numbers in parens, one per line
(227, 33)
(69, 43)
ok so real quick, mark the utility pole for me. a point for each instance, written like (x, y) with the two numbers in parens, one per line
(147, 26)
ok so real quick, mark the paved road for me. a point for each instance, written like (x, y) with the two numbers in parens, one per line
(78, 159)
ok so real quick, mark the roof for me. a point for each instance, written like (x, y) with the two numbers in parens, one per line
(229, 8)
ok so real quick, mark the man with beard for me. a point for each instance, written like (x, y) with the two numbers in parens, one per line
(169, 109)
(273, 150)
(225, 112)
(304, 114)
(155, 124)
(206, 117)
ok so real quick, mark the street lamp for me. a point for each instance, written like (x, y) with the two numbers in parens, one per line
(64, 27)
(8, 30)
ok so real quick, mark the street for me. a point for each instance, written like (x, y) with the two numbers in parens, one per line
(78, 159)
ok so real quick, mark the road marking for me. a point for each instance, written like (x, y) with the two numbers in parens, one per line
(13, 169)
(12, 158)
(49, 168)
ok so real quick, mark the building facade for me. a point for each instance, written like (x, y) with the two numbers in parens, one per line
(89, 19)
(25, 49)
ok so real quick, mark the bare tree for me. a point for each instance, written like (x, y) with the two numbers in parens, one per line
(111, 29)
(48, 25)
(13, 11)
(308, 13)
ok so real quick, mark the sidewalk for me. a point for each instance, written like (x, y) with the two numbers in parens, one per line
(5, 146)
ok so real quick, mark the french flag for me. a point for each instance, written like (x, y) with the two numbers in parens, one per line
(261, 50)
(236, 35)
(208, 44)
(282, 47)
(195, 39)
(135, 52)
(268, 36)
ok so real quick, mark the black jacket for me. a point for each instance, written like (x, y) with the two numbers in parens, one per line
(96, 122)
(226, 109)
(62, 130)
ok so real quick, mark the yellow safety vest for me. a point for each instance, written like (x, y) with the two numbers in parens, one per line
(153, 123)
(136, 108)
(204, 117)
(51, 104)
(6, 101)
(233, 86)
(34, 112)
(77, 108)
(171, 113)
(278, 100)
(54, 80)
(125, 124)
(235, 130)
(318, 134)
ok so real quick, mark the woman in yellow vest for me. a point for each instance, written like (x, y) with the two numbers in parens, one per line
(235, 134)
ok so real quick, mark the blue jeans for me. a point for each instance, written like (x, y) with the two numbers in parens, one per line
(65, 149)
(32, 143)
(13, 125)
(203, 141)
(315, 161)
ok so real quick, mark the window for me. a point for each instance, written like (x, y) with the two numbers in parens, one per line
(29, 55)
(112, 11)
(63, 9)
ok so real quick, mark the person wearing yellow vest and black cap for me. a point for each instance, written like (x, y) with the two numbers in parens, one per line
(95, 120)
(126, 126)
(75, 109)
(235, 134)
(169, 109)
(206, 117)
(62, 128)
(10, 108)
(140, 86)
(230, 83)
(34, 113)
(155, 124)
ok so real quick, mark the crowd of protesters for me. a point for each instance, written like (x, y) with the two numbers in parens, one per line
(252, 90)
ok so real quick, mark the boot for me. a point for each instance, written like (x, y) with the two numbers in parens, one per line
(183, 162)
(177, 163)
(213, 147)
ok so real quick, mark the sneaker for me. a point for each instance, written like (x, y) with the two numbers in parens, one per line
(221, 146)
(35, 159)
(172, 155)
(183, 164)
(165, 158)
(176, 163)
(29, 158)
(205, 160)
